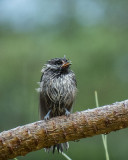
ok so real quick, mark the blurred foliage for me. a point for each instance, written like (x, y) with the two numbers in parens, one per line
(99, 54)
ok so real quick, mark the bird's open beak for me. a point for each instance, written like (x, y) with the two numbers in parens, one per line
(65, 64)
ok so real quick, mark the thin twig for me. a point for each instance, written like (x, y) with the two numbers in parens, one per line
(104, 137)
(66, 156)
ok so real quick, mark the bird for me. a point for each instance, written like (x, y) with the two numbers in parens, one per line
(57, 88)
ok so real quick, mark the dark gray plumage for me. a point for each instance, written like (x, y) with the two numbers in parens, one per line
(57, 92)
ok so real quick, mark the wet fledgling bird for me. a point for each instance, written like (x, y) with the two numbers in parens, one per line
(57, 92)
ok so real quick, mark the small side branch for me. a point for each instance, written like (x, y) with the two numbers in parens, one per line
(42, 134)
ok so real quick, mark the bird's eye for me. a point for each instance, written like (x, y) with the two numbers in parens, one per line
(59, 62)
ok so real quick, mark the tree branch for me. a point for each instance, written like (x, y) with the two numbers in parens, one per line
(42, 134)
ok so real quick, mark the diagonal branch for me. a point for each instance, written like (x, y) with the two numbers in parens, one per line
(24, 139)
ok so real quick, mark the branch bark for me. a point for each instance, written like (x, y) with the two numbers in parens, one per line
(42, 134)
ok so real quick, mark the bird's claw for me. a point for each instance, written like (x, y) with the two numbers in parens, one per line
(47, 117)
(67, 113)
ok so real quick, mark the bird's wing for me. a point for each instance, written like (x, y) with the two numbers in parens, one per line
(43, 106)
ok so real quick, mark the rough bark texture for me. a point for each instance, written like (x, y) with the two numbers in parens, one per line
(24, 139)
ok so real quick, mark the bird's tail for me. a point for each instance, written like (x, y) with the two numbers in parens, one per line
(59, 147)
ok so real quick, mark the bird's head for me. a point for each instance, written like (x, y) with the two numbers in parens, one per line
(58, 65)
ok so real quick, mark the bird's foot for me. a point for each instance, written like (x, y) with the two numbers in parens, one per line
(67, 113)
(47, 117)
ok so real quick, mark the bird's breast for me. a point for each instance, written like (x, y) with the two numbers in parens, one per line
(60, 89)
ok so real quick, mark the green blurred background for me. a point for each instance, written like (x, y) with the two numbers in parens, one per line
(93, 34)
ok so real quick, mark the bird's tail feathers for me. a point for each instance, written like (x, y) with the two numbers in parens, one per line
(59, 147)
